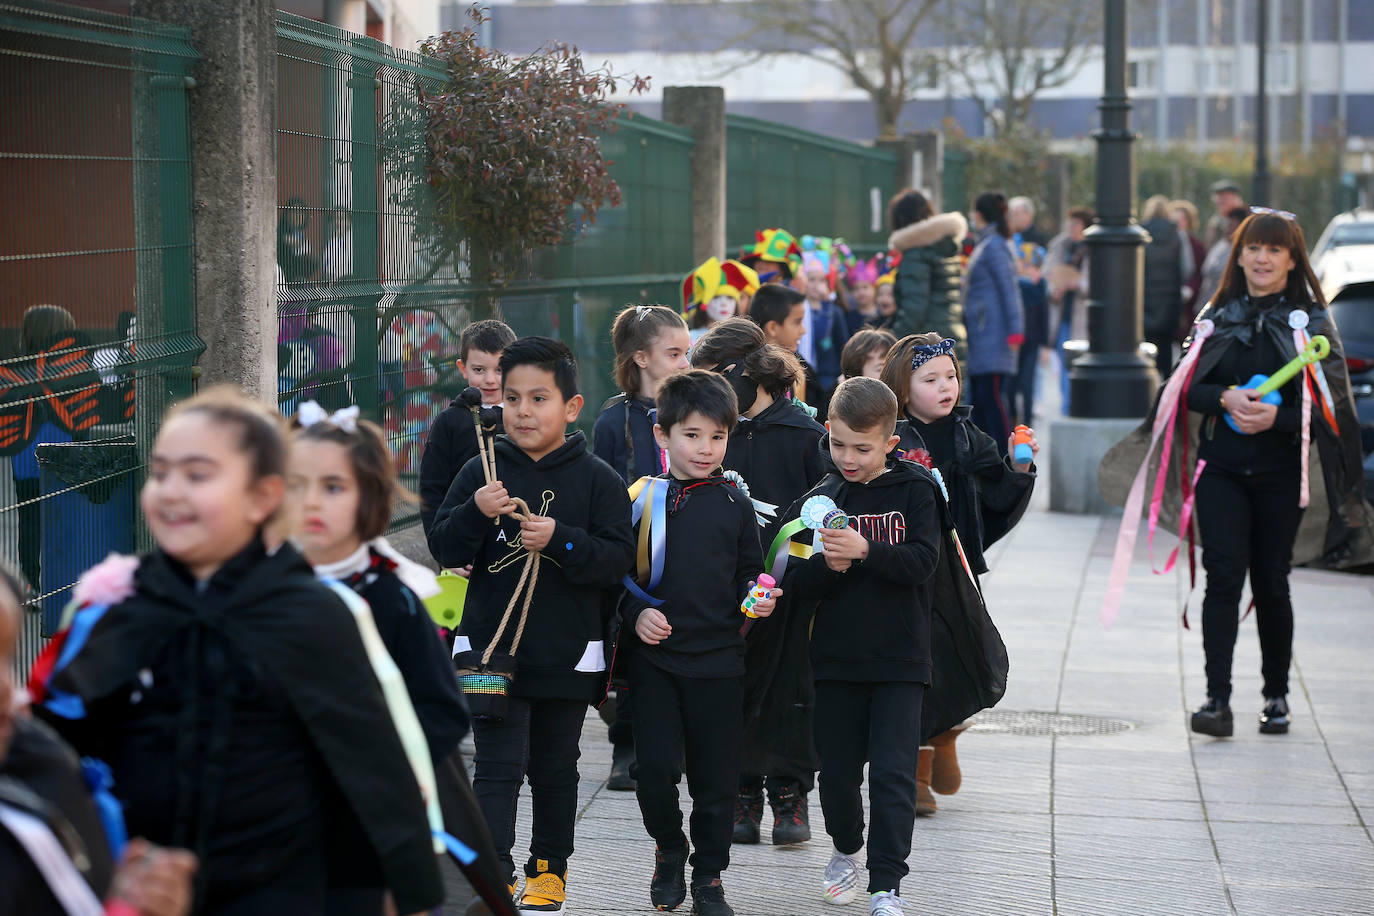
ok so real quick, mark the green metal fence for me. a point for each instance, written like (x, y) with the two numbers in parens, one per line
(97, 328)
(368, 313)
(806, 183)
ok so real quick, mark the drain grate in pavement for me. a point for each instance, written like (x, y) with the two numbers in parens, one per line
(1014, 722)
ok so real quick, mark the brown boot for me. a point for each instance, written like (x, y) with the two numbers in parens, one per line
(945, 775)
(925, 761)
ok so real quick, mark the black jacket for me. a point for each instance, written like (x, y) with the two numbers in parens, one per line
(418, 650)
(778, 454)
(1275, 449)
(986, 495)
(452, 442)
(623, 437)
(872, 622)
(591, 551)
(234, 715)
(711, 555)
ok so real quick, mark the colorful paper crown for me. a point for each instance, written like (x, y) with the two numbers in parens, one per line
(863, 272)
(777, 246)
(889, 277)
(816, 260)
(714, 279)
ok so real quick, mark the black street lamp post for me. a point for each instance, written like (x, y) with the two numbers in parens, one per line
(1260, 190)
(1113, 379)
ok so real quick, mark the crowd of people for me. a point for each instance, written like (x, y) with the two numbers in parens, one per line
(765, 563)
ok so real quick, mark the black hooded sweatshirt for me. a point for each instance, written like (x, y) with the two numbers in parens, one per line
(561, 653)
(711, 555)
(452, 442)
(623, 437)
(986, 494)
(873, 621)
(779, 456)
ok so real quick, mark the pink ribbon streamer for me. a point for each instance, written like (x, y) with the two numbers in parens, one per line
(1170, 402)
(1304, 491)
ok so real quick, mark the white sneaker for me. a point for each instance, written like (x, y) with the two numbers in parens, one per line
(841, 879)
(884, 903)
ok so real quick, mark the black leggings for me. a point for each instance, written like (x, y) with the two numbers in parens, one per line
(1248, 524)
(705, 718)
(537, 739)
(877, 723)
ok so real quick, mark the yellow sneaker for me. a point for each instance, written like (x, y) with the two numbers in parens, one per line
(544, 893)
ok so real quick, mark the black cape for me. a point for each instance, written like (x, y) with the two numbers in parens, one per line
(1336, 528)
(278, 619)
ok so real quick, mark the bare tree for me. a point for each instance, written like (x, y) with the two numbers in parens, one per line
(872, 42)
(1003, 53)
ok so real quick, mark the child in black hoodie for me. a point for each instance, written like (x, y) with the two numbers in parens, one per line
(776, 450)
(988, 492)
(453, 437)
(870, 639)
(687, 667)
(580, 526)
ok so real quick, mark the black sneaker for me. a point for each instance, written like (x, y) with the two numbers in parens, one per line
(709, 899)
(1214, 719)
(668, 888)
(748, 816)
(791, 825)
(622, 758)
(1273, 719)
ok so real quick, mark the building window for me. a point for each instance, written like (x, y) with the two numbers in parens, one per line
(1216, 70)
(1142, 73)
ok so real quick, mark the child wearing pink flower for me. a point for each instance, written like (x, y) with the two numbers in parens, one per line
(229, 691)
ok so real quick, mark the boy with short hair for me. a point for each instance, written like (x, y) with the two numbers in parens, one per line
(870, 641)
(580, 525)
(686, 669)
(781, 312)
(453, 435)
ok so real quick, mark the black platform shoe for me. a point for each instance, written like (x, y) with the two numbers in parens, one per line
(709, 899)
(1214, 719)
(1273, 719)
(622, 778)
(668, 888)
(791, 823)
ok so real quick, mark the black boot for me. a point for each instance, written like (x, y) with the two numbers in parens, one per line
(622, 758)
(1214, 718)
(709, 899)
(748, 815)
(668, 888)
(1273, 719)
(790, 822)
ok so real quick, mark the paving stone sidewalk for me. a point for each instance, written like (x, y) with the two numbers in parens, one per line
(1061, 814)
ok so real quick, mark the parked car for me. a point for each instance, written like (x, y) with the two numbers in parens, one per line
(1352, 307)
(1346, 247)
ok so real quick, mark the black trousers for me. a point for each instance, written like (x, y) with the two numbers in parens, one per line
(621, 732)
(879, 724)
(536, 740)
(987, 396)
(1248, 524)
(705, 718)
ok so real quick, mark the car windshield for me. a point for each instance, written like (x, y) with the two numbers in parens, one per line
(1353, 234)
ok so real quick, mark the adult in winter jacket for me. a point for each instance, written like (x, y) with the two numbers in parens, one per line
(927, 286)
(993, 317)
(1168, 265)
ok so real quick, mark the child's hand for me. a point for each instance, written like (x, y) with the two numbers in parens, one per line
(464, 571)
(493, 500)
(843, 544)
(652, 627)
(764, 606)
(536, 533)
(836, 564)
(1011, 451)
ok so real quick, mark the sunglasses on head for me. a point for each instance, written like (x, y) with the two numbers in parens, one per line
(1291, 217)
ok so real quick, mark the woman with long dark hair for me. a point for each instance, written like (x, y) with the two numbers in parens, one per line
(992, 316)
(1253, 488)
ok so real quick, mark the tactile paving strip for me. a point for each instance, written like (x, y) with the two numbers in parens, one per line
(1015, 722)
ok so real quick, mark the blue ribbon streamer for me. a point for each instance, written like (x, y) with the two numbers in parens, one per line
(69, 705)
(100, 782)
(461, 852)
(654, 497)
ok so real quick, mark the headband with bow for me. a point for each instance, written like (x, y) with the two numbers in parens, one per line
(345, 418)
(924, 354)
